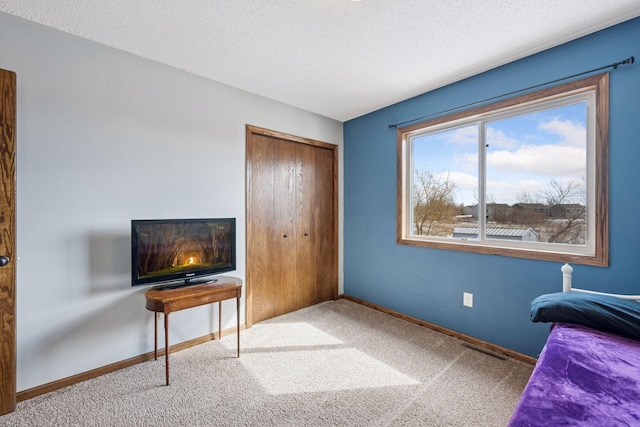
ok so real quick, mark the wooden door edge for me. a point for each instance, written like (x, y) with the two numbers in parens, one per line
(8, 338)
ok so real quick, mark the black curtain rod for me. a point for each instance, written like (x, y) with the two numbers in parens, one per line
(630, 60)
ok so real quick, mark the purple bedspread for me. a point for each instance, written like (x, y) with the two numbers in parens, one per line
(583, 378)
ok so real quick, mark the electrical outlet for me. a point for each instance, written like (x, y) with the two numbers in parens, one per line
(467, 299)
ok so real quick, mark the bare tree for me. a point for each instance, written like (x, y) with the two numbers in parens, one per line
(500, 214)
(527, 197)
(529, 210)
(566, 204)
(561, 192)
(434, 204)
(528, 217)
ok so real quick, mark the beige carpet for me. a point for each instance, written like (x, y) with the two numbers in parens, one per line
(334, 364)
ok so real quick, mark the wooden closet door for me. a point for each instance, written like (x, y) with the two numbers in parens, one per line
(284, 256)
(271, 231)
(291, 223)
(316, 257)
(306, 286)
(260, 297)
(326, 225)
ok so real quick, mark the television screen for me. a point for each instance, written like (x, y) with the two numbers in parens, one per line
(181, 250)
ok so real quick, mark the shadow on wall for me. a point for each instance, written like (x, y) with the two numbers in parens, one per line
(85, 324)
(109, 262)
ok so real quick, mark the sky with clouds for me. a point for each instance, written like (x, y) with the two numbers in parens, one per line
(523, 154)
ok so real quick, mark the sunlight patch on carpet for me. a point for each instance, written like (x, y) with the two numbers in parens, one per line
(308, 371)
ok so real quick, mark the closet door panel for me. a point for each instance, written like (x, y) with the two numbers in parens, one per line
(306, 266)
(285, 219)
(260, 228)
(325, 222)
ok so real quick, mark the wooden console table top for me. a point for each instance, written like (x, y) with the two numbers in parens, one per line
(169, 300)
(166, 301)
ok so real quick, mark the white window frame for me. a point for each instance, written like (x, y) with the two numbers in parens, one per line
(592, 90)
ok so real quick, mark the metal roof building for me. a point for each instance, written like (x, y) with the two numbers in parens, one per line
(521, 234)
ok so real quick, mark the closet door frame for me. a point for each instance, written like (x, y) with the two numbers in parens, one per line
(251, 132)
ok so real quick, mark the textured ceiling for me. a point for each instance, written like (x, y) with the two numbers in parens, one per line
(337, 58)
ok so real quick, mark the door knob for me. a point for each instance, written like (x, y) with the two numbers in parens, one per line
(4, 260)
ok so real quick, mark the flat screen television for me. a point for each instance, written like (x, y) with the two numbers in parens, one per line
(181, 252)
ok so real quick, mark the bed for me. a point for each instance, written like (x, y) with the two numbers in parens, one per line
(588, 373)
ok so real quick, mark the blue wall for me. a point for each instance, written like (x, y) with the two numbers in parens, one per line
(429, 283)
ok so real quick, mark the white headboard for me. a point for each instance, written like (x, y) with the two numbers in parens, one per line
(567, 272)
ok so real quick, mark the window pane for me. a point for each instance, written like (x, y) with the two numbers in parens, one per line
(445, 183)
(536, 166)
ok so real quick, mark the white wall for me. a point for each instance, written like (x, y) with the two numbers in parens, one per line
(104, 137)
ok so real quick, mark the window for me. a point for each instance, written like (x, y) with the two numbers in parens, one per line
(525, 177)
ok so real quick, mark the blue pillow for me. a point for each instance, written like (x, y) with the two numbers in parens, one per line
(602, 312)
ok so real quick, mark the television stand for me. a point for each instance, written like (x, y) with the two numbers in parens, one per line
(166, 301)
